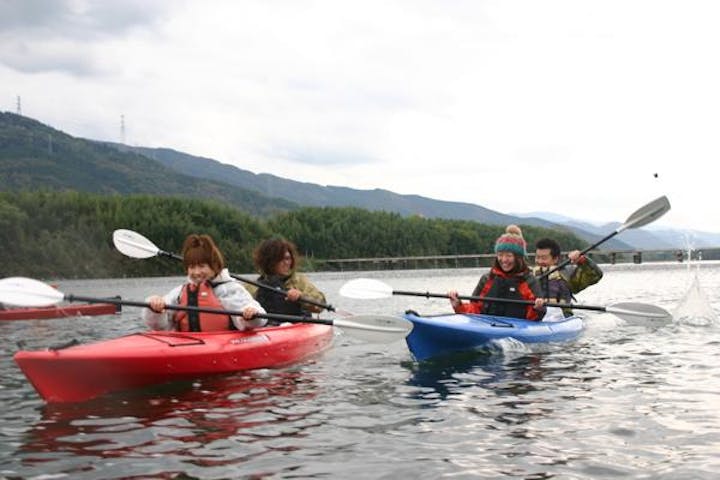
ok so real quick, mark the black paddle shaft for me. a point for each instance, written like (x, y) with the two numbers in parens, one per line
(189, 308)
(280, 291)
(499, 300)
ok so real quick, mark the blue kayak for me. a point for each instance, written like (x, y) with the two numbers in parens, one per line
(441, 334)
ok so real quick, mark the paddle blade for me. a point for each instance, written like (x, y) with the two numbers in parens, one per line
(632, 312)
(366, 289)
(375, 328)
(134, 245)
(647, 214)
(27, 292)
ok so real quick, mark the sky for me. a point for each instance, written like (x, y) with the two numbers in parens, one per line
(587, 109)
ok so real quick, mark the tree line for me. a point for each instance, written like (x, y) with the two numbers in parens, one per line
(68, 234)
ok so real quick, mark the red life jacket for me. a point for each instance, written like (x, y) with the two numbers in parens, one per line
(513, 287)
(501, 285)
(201, 296)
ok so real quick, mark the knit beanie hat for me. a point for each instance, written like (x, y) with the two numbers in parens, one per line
(511, 241)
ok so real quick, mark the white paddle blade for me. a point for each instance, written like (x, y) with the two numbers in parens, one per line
(375, 328)
(647, 214)
(27, 292)
(631, 311)
(366, 289)
(134, 245)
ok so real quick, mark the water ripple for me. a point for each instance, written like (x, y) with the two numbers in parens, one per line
(625, 401)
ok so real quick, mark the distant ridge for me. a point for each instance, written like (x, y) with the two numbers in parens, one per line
(36, 156)
(647, 238)
(311, 194)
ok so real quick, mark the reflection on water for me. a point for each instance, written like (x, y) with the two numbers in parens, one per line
(510, 369)
(442, 377)
(212, 422)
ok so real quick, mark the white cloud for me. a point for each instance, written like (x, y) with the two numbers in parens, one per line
(558, 106)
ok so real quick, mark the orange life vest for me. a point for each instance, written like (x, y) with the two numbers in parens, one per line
(201, 296)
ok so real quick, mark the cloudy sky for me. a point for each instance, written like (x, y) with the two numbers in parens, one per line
(569, 106)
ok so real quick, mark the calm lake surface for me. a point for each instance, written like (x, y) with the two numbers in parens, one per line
(625, 401)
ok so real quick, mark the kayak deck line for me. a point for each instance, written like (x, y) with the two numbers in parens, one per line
(502, 325)
(249, 336)
(167, 338)
(487, 319)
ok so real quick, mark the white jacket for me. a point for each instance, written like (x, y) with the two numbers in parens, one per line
(230, 292)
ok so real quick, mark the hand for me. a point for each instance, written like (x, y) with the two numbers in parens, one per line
(454, 300)
(576, 257)
(157, 303)
(249, 313)
(293, 294)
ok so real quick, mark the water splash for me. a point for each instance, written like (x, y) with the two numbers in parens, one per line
(694, 308)
(691, 254)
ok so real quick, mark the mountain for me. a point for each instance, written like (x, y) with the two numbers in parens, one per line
(687, 239)
(646, 238)
(310, 194)
(36, 156)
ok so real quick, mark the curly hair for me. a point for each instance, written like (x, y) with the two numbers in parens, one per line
(271, 252)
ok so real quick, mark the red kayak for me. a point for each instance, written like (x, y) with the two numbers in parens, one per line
(59, 311)
(82, 372)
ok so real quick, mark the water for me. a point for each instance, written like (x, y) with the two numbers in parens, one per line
(625, 401)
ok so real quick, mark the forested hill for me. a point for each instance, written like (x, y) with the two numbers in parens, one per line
(309, 194)
(35, 156)
(69, 234)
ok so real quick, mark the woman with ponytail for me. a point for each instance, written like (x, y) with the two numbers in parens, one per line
(208, 284)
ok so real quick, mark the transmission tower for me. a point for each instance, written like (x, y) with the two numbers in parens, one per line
(19, 106)
(122, 129)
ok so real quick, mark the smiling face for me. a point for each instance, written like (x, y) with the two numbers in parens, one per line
(276, 256)
(201, 257)
(200, 272)
(506, 261)
(285, 265)
(544, 257)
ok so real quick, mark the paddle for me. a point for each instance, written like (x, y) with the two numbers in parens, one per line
(28, 292)
(368, 288)
(134, 245)
(642, 216)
